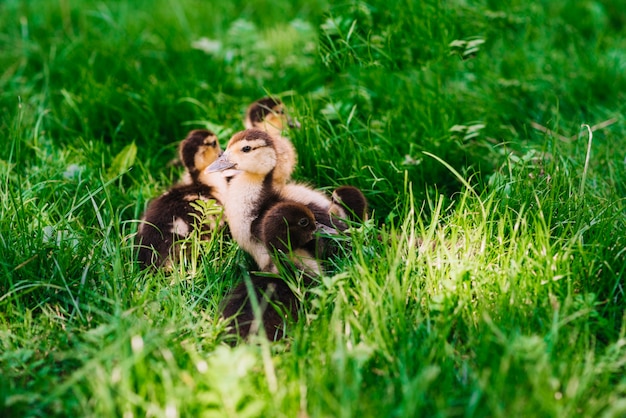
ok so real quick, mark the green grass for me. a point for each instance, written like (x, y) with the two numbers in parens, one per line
(489, 282)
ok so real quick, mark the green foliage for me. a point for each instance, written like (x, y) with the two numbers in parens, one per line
(122, 161)
(489, 280)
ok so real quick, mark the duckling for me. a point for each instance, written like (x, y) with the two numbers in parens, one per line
(287, 229)
(170, 217)
(196, 152)
(251, 191)
(348, 204)
(268, 114)
(278, 305)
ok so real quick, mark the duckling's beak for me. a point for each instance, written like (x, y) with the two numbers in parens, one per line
(293, 123)
(222, 163)
(324, 229)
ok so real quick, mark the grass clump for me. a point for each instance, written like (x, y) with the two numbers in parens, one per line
(488, 282)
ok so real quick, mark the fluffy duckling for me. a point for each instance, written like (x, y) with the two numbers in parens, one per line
(348, 204)
(196, 152)
(277, 303)
(170, 217)
(251, 192)
(268, 115)
(288, 229)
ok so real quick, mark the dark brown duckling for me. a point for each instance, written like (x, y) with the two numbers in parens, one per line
(278, 306)
(288, 229)
(293, 238)
(171, 217)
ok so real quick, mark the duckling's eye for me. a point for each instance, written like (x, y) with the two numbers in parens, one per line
(247, 148)
(303, 222)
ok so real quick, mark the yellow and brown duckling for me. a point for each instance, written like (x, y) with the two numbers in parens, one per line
(170, 218)
(251, 192)
(288, 230)
(196, 152)
(269, 115)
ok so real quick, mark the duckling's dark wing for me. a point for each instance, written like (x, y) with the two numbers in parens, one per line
(276, 300)
(353, 202)
(157, 234)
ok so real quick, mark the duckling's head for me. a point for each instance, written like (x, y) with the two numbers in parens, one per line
(268, 114)
(251, 151)
(198, 150)
(288, 225)
(348, 203)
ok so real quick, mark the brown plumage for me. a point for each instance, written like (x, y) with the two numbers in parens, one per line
(287, 225)
(348, 204)
(288, 230)
(290, 234)
(170, 217)
(278, 306)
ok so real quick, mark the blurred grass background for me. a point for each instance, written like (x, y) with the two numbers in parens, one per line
(495, 286)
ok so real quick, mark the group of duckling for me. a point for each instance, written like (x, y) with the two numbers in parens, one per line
(284, 225)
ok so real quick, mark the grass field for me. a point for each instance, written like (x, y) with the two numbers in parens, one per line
(489, 138)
